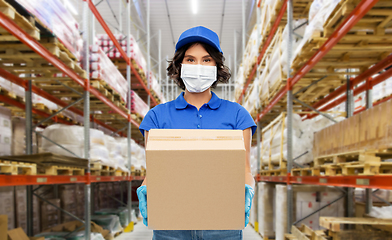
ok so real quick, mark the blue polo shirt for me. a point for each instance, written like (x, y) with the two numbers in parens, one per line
(216, 114)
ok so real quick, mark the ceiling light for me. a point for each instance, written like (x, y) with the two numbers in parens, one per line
(194, 6)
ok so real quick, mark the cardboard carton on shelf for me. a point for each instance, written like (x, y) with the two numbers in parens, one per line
(3, 227)
(7, 205)
(194, 175)
(50, 216)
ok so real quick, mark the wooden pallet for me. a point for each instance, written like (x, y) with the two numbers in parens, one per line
(374, 22)
(276, 127)
(372, 168)
(274, 172)
(305, 172)
(121, 173)
(334, 223)
(364, 156)
(62, 170)
(27, 24)
(98, 169)
(346, 169)
(17, 168)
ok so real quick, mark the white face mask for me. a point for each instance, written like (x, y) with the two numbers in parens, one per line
(198, 78)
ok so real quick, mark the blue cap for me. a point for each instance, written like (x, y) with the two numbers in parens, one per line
(199, 34)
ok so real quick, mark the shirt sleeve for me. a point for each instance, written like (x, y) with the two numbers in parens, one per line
(150, 121)
(245, 120)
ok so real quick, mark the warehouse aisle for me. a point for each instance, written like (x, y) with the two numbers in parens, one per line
(141, 232)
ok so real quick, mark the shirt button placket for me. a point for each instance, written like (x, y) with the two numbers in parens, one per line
(199, 119)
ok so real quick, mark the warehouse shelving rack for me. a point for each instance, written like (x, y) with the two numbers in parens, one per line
(87, 179)
(268, 113)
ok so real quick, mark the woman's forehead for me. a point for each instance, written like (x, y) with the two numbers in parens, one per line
(196, 48)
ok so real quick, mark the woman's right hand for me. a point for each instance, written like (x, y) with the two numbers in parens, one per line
(142, 195)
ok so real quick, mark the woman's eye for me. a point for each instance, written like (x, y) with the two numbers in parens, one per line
(190, 60)
(207, 60)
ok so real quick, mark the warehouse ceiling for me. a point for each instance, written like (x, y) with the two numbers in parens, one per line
(172, 17)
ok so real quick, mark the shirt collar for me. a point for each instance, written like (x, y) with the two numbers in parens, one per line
(214, 102)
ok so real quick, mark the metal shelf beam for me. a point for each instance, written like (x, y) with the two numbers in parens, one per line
(376, 181)
(25, 180)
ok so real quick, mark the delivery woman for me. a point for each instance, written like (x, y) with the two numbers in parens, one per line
(198, 66)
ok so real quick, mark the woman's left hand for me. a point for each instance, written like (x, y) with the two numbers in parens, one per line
(249, 194)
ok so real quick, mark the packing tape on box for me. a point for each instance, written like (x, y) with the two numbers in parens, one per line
(179, 138)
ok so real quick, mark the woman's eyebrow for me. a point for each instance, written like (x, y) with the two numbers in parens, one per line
(188, 56)
(206, 56)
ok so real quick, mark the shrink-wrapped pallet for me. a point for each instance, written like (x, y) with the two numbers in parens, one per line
(281, 211)
(72, 138)
(266, 202)
(112, 52)
(319, 12)
(239, 82)
(56, 18)
(102, 68)
(138, 105)
(138, 155)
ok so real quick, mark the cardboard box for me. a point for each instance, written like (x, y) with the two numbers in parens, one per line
(67, 194)
(196, 179)
(5, 131)
(3, 227)
(21, 207)
(50, 216)
(370, 129)
(266, 201)
(17, 234)
(7, 206)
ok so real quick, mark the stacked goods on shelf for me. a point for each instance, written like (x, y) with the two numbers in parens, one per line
(333, 231)
(72, 138)
(112, 52)
(156, 88)
(273, 70)
(54, 16)
(50, 216)
(103, 69)
(382, 90)
(319, 13)
(239, 82)
(21, 210)
(364, 39)
(274, 143)
(251, 52)
(17, 92)
(307, 199)
(138, 156)
(265, 203)
(137, 59)
(114, 147)
(138, 106)
(361, 144)
(6, 131)
(67, 194)
(7, 205)
(269, 11)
